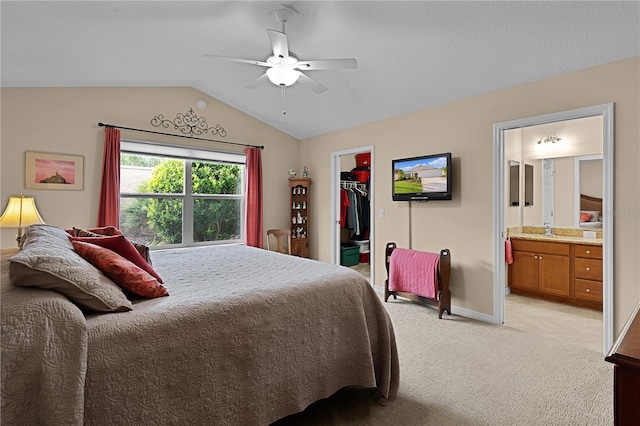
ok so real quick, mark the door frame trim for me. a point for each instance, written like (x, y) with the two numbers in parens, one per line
(499, 288)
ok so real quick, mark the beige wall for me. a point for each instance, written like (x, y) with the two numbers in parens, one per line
(64, 120)
(591, 178)
(465, 224)
(581, 136)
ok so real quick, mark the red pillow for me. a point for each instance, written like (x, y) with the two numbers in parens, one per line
(106, 230)
(121, 271)
(585, 217)
(123, 247)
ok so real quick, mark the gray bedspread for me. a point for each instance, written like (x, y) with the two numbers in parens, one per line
(246, 337)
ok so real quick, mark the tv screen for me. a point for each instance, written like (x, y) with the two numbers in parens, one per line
(422, 178)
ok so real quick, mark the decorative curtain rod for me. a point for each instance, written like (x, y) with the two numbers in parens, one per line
(178, 136)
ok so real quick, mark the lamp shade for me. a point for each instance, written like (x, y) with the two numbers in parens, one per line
(21, 211)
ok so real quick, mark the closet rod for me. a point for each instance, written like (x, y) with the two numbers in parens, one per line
(178, 136)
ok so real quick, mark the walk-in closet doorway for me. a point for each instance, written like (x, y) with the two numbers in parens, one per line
(343, 161)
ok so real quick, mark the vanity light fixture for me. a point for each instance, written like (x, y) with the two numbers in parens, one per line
(549, 138)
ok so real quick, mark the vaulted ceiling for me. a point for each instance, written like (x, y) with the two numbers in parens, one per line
(412, 55)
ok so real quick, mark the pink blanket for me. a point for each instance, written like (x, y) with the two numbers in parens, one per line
(414, 272)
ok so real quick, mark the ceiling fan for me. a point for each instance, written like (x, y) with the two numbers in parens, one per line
(283, 67)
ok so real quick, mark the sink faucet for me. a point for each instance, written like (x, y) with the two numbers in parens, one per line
(547, 230)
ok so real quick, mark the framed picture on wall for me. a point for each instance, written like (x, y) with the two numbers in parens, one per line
(53, 171)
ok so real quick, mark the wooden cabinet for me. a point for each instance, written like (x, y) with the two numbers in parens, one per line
(588, 273)
(541, 267)
(300, 196)
(523, 272)
(625, 354)
(561, 272)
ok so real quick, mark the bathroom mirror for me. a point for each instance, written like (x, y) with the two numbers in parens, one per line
(528, 185)
(514, 183)
(553, 193)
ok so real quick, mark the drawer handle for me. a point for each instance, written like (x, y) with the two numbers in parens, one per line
(587, 268)
(588, 251)
(588, 291)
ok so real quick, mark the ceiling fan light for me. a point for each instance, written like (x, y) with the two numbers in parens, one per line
(281, 76)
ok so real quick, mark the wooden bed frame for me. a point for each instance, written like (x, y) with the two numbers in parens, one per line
(443, 295)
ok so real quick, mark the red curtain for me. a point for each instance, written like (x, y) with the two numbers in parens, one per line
(109, 202)
(253, 228)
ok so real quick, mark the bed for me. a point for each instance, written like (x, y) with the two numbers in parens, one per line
(245, 337)
(590, 212)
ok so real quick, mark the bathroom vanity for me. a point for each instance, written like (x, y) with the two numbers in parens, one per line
(560, 268)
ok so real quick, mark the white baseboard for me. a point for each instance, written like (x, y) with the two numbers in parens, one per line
(468, 313)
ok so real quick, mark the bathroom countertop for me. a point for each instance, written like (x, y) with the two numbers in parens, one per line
(558, 239)
(561, 235)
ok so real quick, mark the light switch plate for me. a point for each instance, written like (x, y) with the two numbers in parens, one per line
(589, 234)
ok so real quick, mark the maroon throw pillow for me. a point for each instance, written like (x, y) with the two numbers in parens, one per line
(122, 246)
(106, 230)
(121, 271)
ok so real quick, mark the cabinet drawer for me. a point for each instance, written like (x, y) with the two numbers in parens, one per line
(588, 252)
(540, 247)
(588, 269)
(588, 290)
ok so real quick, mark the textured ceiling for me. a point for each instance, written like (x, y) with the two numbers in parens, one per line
(412, 55)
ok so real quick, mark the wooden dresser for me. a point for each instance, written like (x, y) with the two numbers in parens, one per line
(625, 354)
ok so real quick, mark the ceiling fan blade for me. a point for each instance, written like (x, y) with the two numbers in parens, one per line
(227, 58)
(279, 43)
(328, 64)
(258, 81)
(310, 83)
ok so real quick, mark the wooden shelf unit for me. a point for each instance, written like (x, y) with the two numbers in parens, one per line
(299, 218)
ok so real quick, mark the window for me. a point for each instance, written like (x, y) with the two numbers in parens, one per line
(173, 196)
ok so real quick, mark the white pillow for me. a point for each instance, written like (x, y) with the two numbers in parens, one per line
(595, 215)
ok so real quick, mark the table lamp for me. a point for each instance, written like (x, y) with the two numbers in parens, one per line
(21, 211)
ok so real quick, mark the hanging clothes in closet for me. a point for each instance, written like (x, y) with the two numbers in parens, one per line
(354, 208)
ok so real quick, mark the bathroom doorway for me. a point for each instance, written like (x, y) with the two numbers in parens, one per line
(502, 215)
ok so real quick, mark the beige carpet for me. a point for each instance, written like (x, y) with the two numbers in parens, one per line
(569, 324)
(458, 371)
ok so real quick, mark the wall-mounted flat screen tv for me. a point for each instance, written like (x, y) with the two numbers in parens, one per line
(423, 178)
